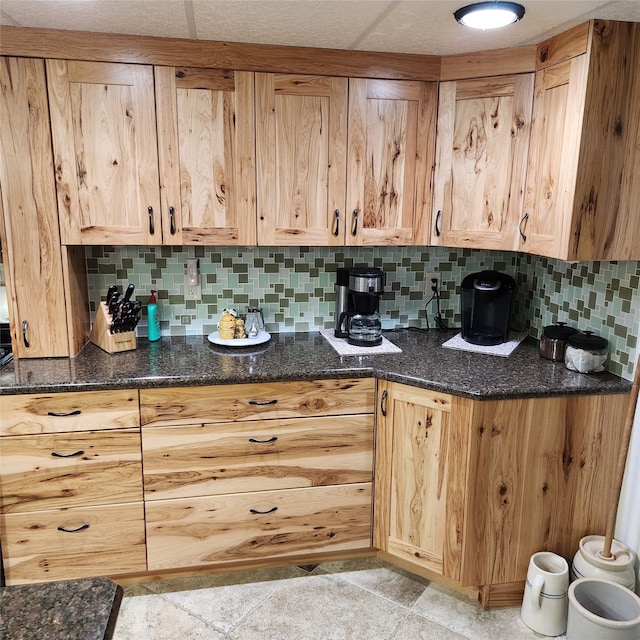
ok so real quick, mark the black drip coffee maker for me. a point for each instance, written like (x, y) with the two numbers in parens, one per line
(360, 323)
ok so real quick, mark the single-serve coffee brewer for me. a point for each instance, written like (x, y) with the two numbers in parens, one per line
(358, 292)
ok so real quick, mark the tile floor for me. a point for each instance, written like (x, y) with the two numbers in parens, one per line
(363, 599)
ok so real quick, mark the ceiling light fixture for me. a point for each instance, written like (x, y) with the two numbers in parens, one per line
(489, 15)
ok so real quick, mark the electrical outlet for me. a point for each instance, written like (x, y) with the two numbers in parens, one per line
(431, 279)
(192, 280)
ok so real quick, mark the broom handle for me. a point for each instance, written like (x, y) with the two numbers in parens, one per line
(622, 459)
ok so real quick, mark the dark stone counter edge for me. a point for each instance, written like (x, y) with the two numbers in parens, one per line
(617, 386)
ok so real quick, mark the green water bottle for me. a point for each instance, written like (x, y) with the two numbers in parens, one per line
(153, 315)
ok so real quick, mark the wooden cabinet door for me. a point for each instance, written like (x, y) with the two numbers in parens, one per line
(301, 136)
(390, 161)
(553, 157)
(483, 136)
(420, 474)
(29, 229)
(103, 124)
(206, 146)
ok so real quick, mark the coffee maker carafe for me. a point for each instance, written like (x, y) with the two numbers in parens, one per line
(360, 323)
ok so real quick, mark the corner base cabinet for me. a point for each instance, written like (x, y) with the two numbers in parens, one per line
(469, 490)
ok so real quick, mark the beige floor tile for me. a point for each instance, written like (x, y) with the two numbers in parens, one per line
(416, 627)
(152, 617)
(321, 607)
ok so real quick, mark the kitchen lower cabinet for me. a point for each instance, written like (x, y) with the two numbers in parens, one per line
(469, 490)
(71, 500)
(292, 475)
(258, 525)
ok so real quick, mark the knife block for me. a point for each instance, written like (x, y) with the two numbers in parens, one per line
(102, 337)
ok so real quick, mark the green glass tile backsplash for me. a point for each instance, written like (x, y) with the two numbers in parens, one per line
(295, 287)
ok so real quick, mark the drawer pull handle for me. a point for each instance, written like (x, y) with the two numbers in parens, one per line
(82, 527)
(262, 513)
(271, 439)
(383, 403)
(262, 403)
(25, 326)
(76, 412)
(75, 454)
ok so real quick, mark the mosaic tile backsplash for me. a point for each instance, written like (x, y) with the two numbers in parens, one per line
(295, 288)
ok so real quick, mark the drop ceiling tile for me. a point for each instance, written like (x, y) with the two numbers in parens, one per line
(309, 23)
(164, 18)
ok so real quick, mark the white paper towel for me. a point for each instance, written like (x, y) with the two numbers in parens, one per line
(345, 349)
(504, 349)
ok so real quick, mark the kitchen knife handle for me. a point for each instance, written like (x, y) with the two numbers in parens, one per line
(354, 229)
(383, 403)
(75, 454)
(75, 412)
(271, 439)
(128, 293)
(336, 231)
(525, 217)
(262, 513)
(25, 326)
(82, 527)
(172, 221)
(262, 403)
(437, 225)
(151, 225)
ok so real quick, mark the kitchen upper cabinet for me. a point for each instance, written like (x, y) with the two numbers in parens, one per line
(483, 137)
(38, 270)
(103, 123)
(420, 473)
(301, 137)
(582, 185)
(390, 161)
(318, 186)
(206, 148)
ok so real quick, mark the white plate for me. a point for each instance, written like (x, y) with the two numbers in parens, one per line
(262, 337)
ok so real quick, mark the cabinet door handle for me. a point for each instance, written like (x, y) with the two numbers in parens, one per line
(25, 326)
(172, 221)
(525, 217)
(383, 403)
(75, 412)
(75, 454)
(82, 527)
(336, 231)
(271, 439)
(437, 225)
(151, 225)
(354, 228)
(262, 403)
(262, 513)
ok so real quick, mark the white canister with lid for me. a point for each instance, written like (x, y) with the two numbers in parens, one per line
(586, 353)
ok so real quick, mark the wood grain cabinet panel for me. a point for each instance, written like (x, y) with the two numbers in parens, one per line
(256, 526)
(582, 188)
(68, 470)
(206, 146)
(69, 412)
(72, 543)
(198, 405)
(483, 136)
(29, 231)
(213, 459)
(103, 124)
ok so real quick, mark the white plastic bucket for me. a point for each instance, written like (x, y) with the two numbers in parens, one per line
(600, 609)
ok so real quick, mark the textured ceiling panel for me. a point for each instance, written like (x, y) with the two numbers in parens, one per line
(308, 23)
(137, 17)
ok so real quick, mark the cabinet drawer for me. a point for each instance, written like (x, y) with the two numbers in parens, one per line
(70, 470)
(213, 459)
(62, 412)
(108, 541)
(227, 403)
(254, 526)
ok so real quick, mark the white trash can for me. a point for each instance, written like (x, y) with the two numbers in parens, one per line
(600, 609)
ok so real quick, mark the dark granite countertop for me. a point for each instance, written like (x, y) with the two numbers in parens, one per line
(83, 609)
(305, 356)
